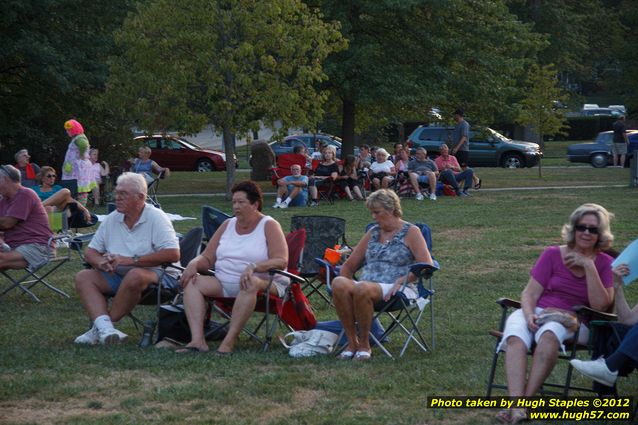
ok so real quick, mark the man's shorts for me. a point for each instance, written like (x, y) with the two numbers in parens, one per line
(620, 148)
(301, 200)
(35, 254)
(115, 279)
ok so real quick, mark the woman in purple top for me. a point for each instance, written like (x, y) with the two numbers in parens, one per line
(577, 273)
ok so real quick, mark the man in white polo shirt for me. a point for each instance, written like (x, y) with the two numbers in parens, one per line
(126, 254)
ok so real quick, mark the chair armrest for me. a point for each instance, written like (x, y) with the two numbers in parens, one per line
(590, 313)
(424, 270)
(508, 303)
(290, 276)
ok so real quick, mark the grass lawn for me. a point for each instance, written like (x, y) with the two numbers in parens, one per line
(486, 245)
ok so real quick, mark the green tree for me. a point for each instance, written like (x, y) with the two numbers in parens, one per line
(538, 109)
(406, 56)
(226, 62)
(52, 66)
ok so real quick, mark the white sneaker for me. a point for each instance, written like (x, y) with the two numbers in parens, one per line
(277, 205)
(596, 370)
(90, 337)
(112, 336)
(419, 196)
(283, 205)
(432, 196)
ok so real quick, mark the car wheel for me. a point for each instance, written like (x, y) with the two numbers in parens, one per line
(205, 165)
(512, 160)
(599, 160)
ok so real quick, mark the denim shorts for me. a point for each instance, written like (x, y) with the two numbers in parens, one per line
(115, 279)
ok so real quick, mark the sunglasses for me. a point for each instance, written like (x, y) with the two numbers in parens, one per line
(50, 175)
(582, 228)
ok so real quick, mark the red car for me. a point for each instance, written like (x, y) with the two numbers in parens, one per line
(181, 155)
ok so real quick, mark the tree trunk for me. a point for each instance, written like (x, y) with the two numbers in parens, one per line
(347, 127)
(229, 149)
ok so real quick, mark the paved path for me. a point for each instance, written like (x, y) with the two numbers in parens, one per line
(500, 189)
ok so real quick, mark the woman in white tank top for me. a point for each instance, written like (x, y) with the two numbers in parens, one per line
(241, 251)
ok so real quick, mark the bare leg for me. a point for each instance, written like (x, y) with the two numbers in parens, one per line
(415, 183)
(348, 193)
(365, 295)
(130, 291)
(92, 289)
(242, 310)
(545, 356)
(12, 260)
(195, 307)
(516, 366)
(357, 192)
(342, 296)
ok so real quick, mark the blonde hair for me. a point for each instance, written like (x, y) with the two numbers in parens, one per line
(331, 149)
(605, 237)
(145, 148)
(386, 199)
(382, 152)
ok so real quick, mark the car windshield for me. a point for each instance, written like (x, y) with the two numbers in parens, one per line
(496, 135)
(190, 145)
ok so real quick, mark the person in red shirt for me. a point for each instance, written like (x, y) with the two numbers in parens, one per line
(451, 172)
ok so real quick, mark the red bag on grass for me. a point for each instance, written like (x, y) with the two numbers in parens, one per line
(296, 310)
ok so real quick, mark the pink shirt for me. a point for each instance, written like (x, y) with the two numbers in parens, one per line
(33, 222)
(451, 162)
(562, 289)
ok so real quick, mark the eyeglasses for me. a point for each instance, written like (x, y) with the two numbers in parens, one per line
(50, 175)
(582, 228)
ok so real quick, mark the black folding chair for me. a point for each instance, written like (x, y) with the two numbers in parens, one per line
(321, 232)
(212, 218)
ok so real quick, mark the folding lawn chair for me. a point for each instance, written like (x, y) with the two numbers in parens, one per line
(212, 218)
(152, 187)
(403, 314)
(59, 252)
(284, 162)
(267, 303)
(321, 232)
(158, 294)
(571, 348)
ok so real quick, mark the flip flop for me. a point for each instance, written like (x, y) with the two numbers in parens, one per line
(504, 416)
(477, 186)
(519, 415)
(362, 356)
(345, 355)
(169, 343)
(189, 350)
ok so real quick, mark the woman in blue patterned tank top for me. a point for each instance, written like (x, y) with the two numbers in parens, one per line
(386, 252)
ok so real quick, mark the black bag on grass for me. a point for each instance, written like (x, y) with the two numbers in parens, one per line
(173, 325)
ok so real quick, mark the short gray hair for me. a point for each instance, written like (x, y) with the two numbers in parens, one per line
(17, 155)
(137, 181)
(386, 199)
(605, 237)
(11, 172)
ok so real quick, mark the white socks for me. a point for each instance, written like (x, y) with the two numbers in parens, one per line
(103, 322)
(288, 201)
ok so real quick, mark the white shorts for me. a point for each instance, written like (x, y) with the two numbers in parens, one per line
(410, 293)
(231, 290)
(516, 325)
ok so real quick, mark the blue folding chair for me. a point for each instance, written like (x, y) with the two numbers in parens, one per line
(212, 218)
(404, 314)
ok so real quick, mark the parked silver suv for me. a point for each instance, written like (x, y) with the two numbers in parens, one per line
(488, 148)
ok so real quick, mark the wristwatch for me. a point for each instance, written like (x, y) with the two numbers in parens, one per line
(136, 258)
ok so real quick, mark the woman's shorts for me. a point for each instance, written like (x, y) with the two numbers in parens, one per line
(409, 292)
(516, 325)
(231, 290)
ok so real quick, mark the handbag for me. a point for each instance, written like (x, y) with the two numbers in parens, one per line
(309, 343)
(174, 325)
(296, 310)
(564, 317)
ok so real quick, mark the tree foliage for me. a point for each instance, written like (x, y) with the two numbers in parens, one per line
(226, 62)
(52, 65)
(538, 106)
(406, 56)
